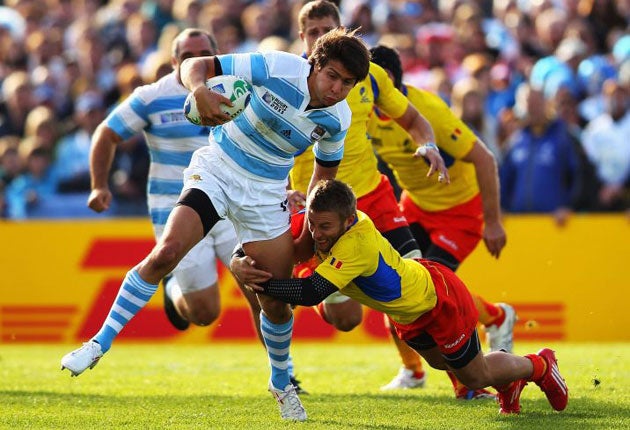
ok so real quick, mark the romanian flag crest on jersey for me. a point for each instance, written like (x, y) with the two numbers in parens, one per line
(456, 133)
(336, 263)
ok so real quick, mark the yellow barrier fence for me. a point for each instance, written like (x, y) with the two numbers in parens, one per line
(60, 278)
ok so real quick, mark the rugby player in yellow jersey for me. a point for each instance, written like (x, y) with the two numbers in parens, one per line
(448, 222)
(425, 301)
(359, 164)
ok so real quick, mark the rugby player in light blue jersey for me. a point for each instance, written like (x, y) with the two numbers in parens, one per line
(242, 176)
(191, 293)
(155, 110)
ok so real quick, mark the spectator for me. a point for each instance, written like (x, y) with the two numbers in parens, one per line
(17, 102)
(142, 36)
(160, 12)
(603, 15)
(605, 141)
(187, 12)
(549, 25)
(257, 24)
(73, 151)
(560, 69)
(540, 171)
(468, 103)
(566, 107)
(10, 167)
(361, 18)
(10, 160)
(42, 125)
(592, 72)
(36, 185)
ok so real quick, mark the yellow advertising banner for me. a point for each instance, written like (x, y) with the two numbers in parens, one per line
(60, 278)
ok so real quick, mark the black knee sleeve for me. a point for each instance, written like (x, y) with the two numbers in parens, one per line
(200, 203)
(402, 240)
(431, 251)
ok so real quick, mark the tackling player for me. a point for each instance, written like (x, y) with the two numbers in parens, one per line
(375, 195)
(429, 306)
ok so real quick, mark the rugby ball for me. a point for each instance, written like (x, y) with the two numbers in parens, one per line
(235, 88)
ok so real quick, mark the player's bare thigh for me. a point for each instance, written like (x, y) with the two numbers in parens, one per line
(275, 256)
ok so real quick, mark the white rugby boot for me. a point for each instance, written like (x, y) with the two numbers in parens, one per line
(291, 408)
(405, 379)
(501, 338)
(82, 358)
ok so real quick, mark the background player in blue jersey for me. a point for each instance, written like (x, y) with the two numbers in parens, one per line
(242, 175)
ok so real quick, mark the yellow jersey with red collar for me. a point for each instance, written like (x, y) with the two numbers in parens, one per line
(455, 140)
(365, 267)
(358, 167)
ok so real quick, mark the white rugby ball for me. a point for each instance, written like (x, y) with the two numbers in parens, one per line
(235, 88)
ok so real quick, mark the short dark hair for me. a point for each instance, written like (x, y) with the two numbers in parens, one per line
(194, 32)
(345, 47)
(332, 195)
(389, 60)
(318, 9)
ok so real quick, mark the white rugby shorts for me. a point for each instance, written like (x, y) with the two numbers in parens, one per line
(198, 269)
(256, 206)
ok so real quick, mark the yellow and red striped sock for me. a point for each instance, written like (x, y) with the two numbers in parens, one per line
(489, 313)
(540, 367)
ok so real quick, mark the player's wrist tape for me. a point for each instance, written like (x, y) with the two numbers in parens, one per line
(238, 252)
(422, 150)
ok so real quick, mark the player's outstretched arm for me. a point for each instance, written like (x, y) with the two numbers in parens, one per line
(299, 291)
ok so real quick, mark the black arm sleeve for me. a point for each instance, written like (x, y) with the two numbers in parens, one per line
(327, 163)
(300, 291)
(218, 70)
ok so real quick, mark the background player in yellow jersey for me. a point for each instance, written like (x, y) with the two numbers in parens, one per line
(359, 164)
(429, 306)
(448, 222)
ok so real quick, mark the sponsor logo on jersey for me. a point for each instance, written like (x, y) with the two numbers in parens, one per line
(171, 117)
(274, 102)
(196, 178)
(286, 133)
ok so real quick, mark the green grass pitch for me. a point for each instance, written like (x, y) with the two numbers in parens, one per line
(223, 386)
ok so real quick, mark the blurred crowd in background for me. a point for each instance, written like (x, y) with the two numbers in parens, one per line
(544, 83)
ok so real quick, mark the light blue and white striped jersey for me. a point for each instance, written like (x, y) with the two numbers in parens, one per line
(276, 124)
(156, 110)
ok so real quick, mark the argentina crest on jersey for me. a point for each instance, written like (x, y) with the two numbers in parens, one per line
(317, 134)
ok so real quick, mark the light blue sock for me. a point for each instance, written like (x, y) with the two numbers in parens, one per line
(277, 339)
(290, 367)
(133, 295)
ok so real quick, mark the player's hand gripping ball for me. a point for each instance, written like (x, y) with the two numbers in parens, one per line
(235, 88)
